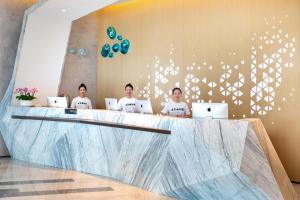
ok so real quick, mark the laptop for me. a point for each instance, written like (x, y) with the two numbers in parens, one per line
(213, 110)
(143, 106)
(111, 104)
(57, 102)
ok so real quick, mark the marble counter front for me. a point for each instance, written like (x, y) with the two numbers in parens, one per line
(200, 159)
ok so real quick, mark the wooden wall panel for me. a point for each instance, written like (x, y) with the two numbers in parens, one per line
(242, 52)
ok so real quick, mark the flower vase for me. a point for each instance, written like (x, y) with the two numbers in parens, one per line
(26, 103)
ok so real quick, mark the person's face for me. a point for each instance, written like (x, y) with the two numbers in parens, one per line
(177, 95)
(129, 92)
(82, 92)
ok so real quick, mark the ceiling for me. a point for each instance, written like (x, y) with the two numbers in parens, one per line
(71, 9)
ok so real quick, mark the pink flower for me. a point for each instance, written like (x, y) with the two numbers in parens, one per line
(35, 90)
(26, 91)
(19, 91)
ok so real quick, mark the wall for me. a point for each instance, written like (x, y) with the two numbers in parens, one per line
(44, 45)
(241, 52)
(81, 69)
(11, 16)
(38, 58)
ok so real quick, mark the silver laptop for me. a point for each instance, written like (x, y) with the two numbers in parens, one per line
(143, 106)
(57, 102)
(211, 110)
(111, 104)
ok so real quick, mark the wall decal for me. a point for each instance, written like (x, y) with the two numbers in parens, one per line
(255, 82)
(120, 38)
(111, 54)
(105, 50)
(81, 52)
(111, 32)
(116, 47)
(108, 50)
(72, 50)
(125, 45)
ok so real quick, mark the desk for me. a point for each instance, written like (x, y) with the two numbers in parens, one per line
(180, 158)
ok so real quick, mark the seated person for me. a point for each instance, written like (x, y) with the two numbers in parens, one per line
(127, 103)
(81, 102)
(176, 108)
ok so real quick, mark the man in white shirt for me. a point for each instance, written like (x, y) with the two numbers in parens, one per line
(81, 102)
(176, 108)
(127, 103)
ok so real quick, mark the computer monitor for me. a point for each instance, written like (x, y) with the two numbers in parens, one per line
(57, 102)
(214, 110)
(111, 104)
(143, 106)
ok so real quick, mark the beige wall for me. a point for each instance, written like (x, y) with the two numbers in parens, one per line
(11, 17)
(79, 69)
(194, 43)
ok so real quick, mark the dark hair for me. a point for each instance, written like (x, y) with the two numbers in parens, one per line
(82, 85)
(129, 85)
(177, 88)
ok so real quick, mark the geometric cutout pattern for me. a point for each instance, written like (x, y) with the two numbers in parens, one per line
(258, 79)
(267, 66)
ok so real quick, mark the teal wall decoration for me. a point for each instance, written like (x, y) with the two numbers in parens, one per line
(105, 50)
(72, 50)
(111, 32)
(116, 47)
(120, 38)
(83, 52)
(108, 50)
(80, 52)
(125, 45)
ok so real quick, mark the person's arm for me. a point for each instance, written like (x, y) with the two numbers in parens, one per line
(165, 111)
(73, 104)
(120, 105)
(187, 112)
(90, 104)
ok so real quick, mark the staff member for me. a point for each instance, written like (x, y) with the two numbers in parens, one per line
(176, 107)
(81, 102)
(127, 103)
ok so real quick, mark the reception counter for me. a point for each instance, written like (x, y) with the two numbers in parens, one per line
(180, 158)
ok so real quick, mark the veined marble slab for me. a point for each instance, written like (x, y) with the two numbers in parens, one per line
(201, 159)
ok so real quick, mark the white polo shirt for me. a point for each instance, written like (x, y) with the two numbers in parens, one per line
(127, 104)
(173, 109)
(81, 103)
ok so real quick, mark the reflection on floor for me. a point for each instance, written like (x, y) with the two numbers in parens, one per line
(19, 180)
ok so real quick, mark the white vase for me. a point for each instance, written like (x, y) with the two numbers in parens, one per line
(26, 103)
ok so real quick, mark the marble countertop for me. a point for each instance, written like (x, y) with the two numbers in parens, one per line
(200, 159)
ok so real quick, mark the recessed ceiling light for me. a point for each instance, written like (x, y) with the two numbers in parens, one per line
(63, 10)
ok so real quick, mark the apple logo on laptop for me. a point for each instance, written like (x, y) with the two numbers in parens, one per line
(209, 109)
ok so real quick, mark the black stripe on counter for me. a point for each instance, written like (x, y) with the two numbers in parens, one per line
(93, 122)
(17, 193)
(36, 181)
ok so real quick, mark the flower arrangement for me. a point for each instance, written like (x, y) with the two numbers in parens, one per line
(26, 94)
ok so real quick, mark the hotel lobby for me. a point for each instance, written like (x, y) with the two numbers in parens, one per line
(149, 99)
